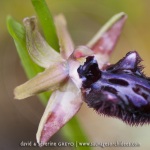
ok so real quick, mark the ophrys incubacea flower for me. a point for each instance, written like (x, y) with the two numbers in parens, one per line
(60, 75)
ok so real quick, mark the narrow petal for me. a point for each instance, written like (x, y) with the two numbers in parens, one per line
(65, 41)
(106, 38)
(62, 106)
(50, 79)
(39, 50)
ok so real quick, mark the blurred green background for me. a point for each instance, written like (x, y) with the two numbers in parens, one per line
(19, 119)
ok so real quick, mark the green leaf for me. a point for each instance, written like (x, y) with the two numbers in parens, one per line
(47, 23)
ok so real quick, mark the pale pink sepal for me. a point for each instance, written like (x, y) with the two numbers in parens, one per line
(62, 106)
(106, 38)
(50, 79)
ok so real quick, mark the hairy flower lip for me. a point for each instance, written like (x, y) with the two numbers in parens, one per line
(121, 90)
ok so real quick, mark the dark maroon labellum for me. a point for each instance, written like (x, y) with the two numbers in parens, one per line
(121, 90)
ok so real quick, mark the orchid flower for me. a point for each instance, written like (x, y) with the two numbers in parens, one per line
(60, 75)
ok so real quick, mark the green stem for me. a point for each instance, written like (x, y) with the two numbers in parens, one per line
(73, 132)
(47, 23)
